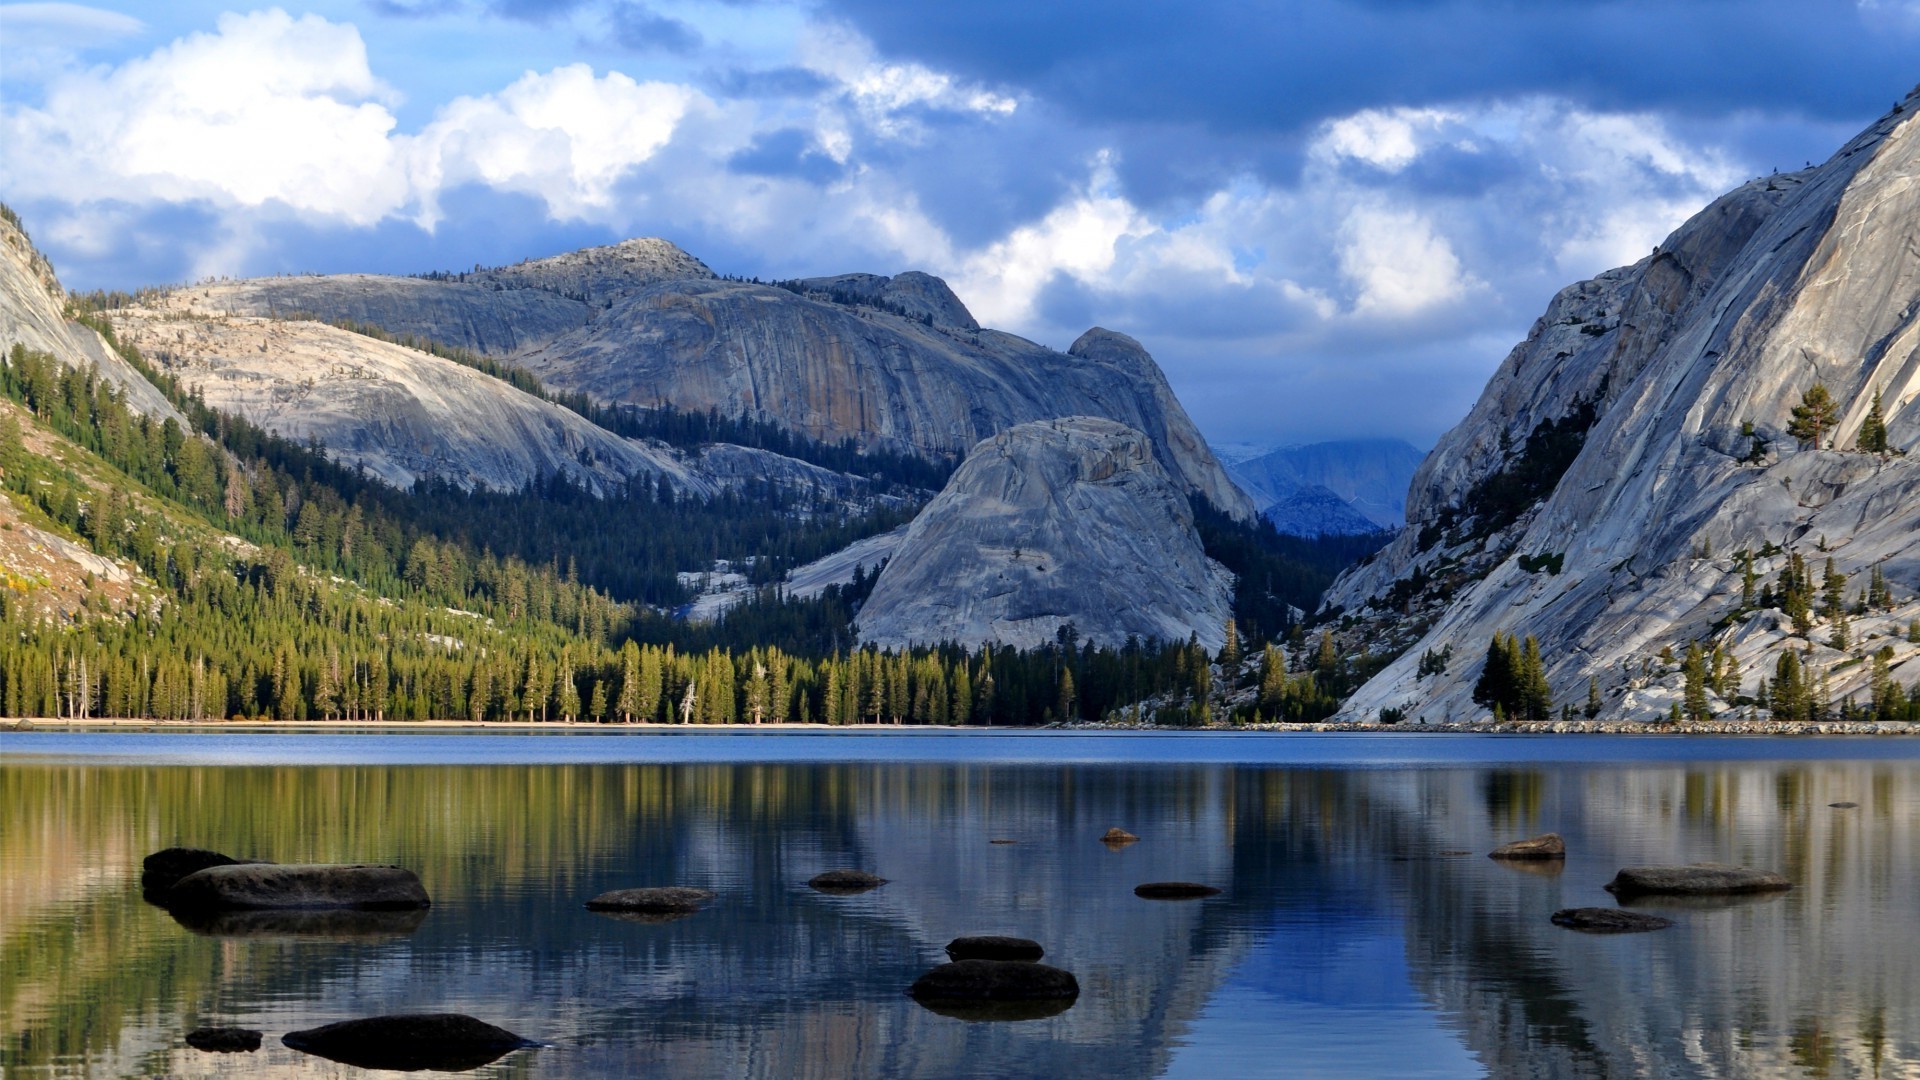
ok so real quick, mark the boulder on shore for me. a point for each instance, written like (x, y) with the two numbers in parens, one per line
(220, 1040)
(994, 947)
(1174, 890)
(1544, 846)
(244, 886)
(1698, 879)
(448, 1042)
(994, 980)
(662, 900)
(1598, 920)
(845, 881)
(162, 869)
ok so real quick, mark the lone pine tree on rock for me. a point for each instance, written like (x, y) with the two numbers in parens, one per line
(1814, 416)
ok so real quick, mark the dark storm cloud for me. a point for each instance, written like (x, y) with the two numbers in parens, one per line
(788, 152)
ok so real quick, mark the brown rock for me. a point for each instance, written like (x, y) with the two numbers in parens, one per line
(316, 885)
(1697, 879)
(994, 947)
(1118, 837)
(1544, 846)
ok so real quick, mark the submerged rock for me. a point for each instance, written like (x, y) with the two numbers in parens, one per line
(222, 1040)
(1118, 837)
(994, 980)
(1174, 890)
(994, 947)
(1843, 805)
(663, 900)
(314, 885)
(846, 881)
(1544, 846)
(1698, 879)
(162, 869)
(312, 924)
(448, 1042)
(1596, 920)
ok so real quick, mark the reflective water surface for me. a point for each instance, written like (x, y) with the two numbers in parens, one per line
(1361, 930)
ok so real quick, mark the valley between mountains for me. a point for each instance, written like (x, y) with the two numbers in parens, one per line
(615, 485)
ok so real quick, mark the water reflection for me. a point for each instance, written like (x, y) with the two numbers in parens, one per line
(1342, 888)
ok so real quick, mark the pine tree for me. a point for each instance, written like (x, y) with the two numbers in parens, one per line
(1593, 697)
(1695, 674)
(1814, 416)
(1230, 651)
(1873, 430)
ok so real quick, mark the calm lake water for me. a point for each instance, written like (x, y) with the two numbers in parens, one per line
(1351, 939)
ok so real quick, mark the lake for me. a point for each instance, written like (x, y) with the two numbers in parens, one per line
(1360, 931)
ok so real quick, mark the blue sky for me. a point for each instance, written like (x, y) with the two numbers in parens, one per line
(1325, 219)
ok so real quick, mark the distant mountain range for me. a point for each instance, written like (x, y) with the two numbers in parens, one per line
(1342, 488)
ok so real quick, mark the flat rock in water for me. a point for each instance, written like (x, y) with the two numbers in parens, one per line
(1545, 846)
(1597, 920)
(994, 980)
(664, 900)
(846, 881)
(1117, 836)
(449, 1042)
(220, 1040)
(1843, 805)
(1698, 879)
(160, 870)
(1002, 840)
(312, 885)
(1174, 890)
(994, 947)
(307, 924)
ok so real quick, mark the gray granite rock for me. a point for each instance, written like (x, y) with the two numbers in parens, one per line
(245, 886)
(1698, 879)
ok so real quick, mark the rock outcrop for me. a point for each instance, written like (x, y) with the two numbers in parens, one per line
(896, 363)
(1605, 491)
(1050, 524)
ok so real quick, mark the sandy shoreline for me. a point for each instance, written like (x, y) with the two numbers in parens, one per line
(390, 727)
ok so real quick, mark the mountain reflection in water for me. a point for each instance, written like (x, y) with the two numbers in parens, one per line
(1351, 937)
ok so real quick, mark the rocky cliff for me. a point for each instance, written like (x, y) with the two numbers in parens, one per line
(1045, 524)
(1604, 492)
(1370, 475)
(892, 362)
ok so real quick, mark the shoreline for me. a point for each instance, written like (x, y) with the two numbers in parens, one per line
(523, 727)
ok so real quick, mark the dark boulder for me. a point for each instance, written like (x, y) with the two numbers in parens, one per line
(246, 886)
(160, 870)
(994, 947)
(1545, 846)
(662, 900)
(1174, 890)
(1118, 837)
(1599, 920)
(1843, 805)
(1698, 879)
(447, 1042)
(846, 881)
(219, 1040)
(965, 981)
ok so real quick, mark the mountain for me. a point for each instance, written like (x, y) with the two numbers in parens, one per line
(893, 363)
(1313, 511)
(1046, 524)
(1370, 475)
(1626, 484)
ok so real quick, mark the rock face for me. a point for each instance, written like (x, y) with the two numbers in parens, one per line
(32, 314)
(1702, 879)
(896, 363)
(1544, 846)
(1369, 475)
(313, 885)
(1047, 524)
(1668, 387)
(447, 1042)
(1314, 511)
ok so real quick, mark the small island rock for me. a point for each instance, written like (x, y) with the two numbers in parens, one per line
(1843, 805)
(994, 947)
(994, 980)
(220, 1040)
(448, 1042)
(846, 881)
(1544, 846)
(1174, 890)
(664, 900)
(1698, 879)
(1117, 836)
(1596, 920)
(245, 886)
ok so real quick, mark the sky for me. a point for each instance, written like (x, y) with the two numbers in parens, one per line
(1325, 218)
